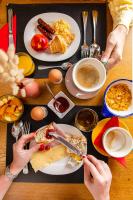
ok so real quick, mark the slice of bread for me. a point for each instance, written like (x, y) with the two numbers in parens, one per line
(58, 45)
(41, 135)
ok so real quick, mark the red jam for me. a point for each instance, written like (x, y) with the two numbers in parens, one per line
(61, 104)
(47, 147)
(41, 147)
(48, 136)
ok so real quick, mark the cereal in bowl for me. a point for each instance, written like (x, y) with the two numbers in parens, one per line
(119, 97)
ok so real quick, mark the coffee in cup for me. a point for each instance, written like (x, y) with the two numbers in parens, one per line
(117, 142)
(89, 74)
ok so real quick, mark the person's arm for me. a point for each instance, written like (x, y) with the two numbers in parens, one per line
(4, 185)
(122, 14)
(20, 158)
(97, 178)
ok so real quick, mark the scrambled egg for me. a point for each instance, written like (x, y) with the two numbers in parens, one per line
(62, 28)
(63, 37)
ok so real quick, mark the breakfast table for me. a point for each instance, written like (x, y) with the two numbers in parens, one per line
(122, 183)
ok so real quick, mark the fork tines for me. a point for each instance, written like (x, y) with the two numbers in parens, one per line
(84, 52)
(26, 128)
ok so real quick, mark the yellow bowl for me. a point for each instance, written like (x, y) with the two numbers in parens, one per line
(11, 108)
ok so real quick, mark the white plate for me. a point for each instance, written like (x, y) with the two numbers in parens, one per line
(51, 17)
(60, 167)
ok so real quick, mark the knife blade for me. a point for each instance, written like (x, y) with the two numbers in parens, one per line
(66, 143)
(10, 22)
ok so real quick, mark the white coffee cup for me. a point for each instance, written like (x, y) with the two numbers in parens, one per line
(118, 145)
(99, 66)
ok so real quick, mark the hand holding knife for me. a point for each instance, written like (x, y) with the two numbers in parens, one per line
(63, 141)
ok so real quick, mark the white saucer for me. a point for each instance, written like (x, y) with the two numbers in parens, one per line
(73, 90)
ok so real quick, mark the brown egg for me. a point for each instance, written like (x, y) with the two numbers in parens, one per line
(38, 113)
(55, 76)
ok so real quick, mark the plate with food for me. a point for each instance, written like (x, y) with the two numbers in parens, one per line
(52, 37)
(53, 157)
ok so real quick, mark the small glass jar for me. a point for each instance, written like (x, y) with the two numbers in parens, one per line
(26, 63)
(86, 119)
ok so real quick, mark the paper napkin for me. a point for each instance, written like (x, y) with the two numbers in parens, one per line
(4, 33)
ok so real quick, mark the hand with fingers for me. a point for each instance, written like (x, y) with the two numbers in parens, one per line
(22, 156)
(97, 177)
(114, 46)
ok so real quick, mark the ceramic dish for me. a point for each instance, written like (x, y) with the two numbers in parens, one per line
(60, 167)
(51, 105)
(107, 111)
(50, 17)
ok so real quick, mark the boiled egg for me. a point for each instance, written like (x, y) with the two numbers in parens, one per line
(39, 113)
(55, 76)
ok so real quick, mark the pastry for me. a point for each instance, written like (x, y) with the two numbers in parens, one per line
(57, 45)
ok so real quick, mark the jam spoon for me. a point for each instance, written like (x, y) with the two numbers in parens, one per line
(58, 104)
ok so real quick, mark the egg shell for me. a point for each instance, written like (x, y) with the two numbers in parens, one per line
(38, 113)
(55, 76)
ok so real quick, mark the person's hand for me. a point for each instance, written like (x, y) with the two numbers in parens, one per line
(97, 177)
(21, 156)
(114, 46)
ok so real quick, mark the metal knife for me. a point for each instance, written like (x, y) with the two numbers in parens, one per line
(10, 24)
(66, 143)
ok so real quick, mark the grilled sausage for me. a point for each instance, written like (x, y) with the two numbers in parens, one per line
(46, 26)
(44, 32)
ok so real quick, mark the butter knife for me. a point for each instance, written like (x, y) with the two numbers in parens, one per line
(66, 143)
(10, 24)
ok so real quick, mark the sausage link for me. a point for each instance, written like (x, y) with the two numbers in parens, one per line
(44, 32)
(46, 26)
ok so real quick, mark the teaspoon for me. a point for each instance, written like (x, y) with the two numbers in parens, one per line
(65, 66)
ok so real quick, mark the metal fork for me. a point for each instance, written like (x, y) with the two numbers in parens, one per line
(25, 131)
(84, 47)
